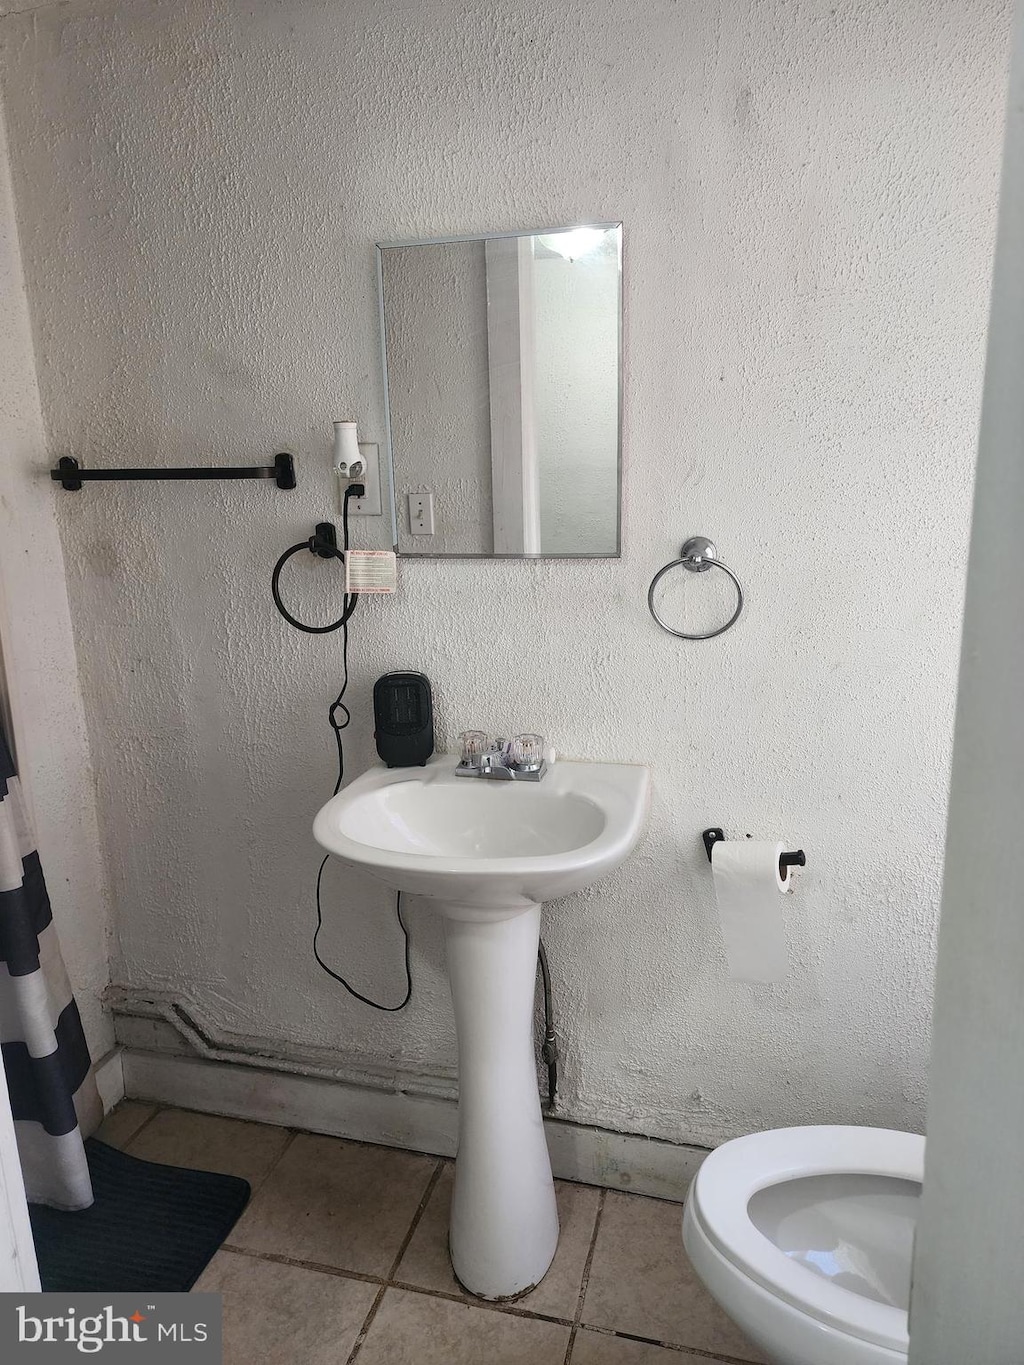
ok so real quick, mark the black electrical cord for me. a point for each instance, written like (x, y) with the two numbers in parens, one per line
(338, 708)
(319, 547)
(549, 1047)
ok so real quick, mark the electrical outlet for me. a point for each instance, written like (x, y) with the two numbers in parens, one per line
(369, 505)
(421, 514)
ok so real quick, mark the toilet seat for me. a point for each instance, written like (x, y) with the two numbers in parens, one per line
(734, 1173)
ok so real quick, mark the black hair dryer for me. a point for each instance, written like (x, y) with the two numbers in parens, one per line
(403, 714)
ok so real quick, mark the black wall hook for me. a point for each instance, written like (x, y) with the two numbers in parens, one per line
(324, 541)
(795, 859)
(711, 837)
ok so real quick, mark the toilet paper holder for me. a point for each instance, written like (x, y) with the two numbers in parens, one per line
(795, 859)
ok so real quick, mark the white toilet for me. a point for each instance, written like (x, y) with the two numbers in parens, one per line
(805, 1238)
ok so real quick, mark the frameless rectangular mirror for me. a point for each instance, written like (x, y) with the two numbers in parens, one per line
(502, 381)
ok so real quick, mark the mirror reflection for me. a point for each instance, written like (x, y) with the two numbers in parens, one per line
(502, 364)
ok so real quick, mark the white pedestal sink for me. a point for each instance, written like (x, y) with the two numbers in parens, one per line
(488, 853)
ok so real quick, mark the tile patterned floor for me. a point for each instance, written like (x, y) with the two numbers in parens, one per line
(341, 1257)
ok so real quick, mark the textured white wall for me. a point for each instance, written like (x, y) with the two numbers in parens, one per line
(808, 192)
(39, 650)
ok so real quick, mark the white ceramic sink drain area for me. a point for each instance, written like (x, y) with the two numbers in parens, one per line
(488, 854)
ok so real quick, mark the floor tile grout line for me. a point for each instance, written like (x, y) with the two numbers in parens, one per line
(317, 1267)
(668, 1345)
(161, 1106)
(361, 1142)
(435, 1176)
(367, 1324)
(432, 1184)
(585, 1278)
(287, 1128)
(256, 1185)
(590, 1256)
(610, 1331)
(157, 1109)
(296, 1130)
(510, 1310)
(390, 1281)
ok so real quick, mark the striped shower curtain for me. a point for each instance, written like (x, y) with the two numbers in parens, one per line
(49, 1074)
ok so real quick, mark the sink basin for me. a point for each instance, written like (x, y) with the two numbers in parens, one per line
(486, 854)
(489, 846)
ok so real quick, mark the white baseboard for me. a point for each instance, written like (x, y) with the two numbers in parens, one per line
(109, 1072)
(420, 1123)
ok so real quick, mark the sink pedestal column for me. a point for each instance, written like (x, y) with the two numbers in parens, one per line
(504, 1223)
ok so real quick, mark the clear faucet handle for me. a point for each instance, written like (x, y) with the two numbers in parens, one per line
(526, 751)
(474, 743)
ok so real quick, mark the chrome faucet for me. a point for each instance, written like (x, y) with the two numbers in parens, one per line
(505, 760)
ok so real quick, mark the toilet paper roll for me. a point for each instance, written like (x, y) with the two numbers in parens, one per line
(749, 889)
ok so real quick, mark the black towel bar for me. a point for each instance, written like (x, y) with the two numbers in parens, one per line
(70, 475)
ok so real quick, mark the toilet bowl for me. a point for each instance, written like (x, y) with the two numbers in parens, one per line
(805, 1238)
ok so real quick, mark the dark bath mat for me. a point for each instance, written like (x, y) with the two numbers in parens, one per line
(151, 1228)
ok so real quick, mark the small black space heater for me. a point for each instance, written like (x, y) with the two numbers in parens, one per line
(403, 714)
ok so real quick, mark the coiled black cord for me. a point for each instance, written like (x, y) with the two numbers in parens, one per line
(338, 709)
(319, 547)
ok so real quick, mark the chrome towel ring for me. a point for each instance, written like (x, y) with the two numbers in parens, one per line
(697, 556)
